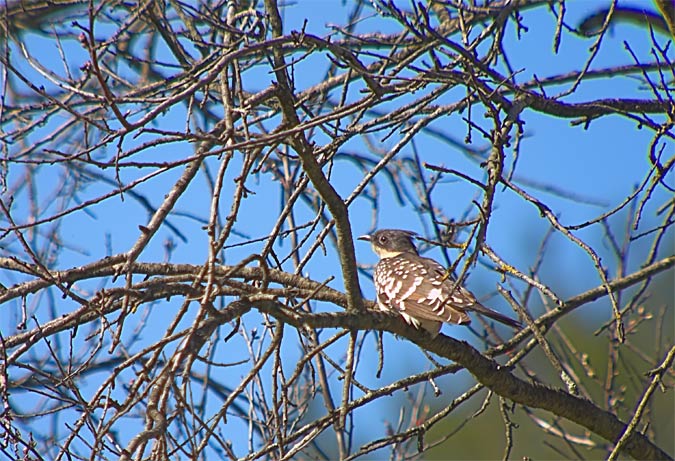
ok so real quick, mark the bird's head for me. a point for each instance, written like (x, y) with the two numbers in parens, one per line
(387, 243)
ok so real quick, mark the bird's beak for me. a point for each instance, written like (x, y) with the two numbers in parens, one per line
(364, 237)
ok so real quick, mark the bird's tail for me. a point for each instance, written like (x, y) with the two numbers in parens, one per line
(496, 316)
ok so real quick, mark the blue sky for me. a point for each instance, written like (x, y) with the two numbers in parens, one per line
(602, 163)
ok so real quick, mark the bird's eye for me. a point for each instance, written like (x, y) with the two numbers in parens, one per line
(383, 238)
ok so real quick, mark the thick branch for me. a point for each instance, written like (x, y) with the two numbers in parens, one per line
(486, 371)
(303, 287)
(335, 204)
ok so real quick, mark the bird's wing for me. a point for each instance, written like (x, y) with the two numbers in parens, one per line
(415, 286)
(461, 298)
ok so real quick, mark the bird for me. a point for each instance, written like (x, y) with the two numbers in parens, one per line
(420, 289)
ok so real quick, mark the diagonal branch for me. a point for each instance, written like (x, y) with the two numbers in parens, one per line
(488, 372)
(335, 203)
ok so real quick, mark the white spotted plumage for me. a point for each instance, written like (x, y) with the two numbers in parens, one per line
(418, 288)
